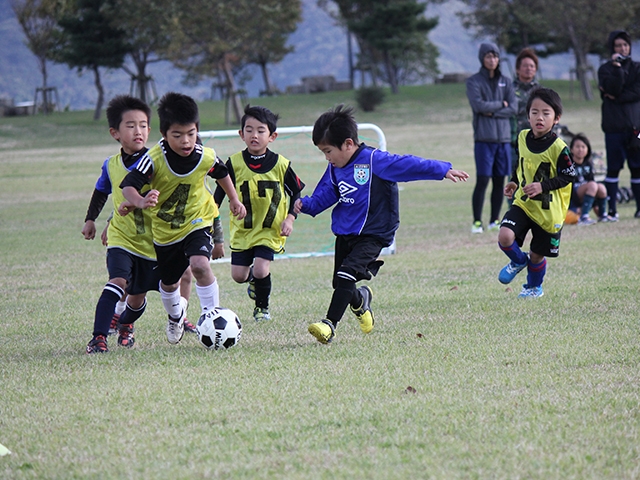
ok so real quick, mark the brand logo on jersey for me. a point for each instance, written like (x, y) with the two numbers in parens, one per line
(346, 189)
(361, 174)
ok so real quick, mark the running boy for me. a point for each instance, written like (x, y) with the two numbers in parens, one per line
(130, 253)
(181, 206)
(541, 191)
(361, 182)
(262, 180)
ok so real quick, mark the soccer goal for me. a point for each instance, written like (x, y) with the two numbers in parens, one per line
(311, 237)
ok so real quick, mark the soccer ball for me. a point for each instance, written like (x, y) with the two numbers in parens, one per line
(219, 329)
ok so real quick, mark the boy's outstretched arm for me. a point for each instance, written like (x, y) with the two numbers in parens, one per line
(135, 200)
(455, 175)
(236, 207)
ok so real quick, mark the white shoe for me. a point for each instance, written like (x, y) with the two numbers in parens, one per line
(476, 227)
(175, 329)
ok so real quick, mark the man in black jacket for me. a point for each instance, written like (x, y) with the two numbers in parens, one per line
(619, 83)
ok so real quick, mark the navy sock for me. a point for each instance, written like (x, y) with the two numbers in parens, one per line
(515, 254)
(130, 315)
(105, 308)
(263, 291)
(535, 273)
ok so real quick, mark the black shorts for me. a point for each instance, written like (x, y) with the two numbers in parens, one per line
(140, 273)
(245, 257)
(356, 257)
(173, 259)
(542, 242)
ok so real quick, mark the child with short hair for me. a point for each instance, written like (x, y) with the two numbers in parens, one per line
(541, 190)
(130, 255)
(362, 184)
(263, 180)
(586, 192)
(181, 206)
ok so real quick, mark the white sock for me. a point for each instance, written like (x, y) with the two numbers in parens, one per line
(209, 296)
(171, 302)
(121, 306)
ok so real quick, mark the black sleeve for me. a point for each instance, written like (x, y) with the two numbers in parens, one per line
(136, 179)
(293, 186)
(219, 194)
(98, 199)
(219, 170)
(566, 173)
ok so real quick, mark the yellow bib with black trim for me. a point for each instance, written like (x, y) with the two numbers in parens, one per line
(185, 203)
(547, 209)
(263, 195)
(133, 231)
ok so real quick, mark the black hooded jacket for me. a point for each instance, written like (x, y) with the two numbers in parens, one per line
(622, 112)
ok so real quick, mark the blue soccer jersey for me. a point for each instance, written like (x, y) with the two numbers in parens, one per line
(365, 191)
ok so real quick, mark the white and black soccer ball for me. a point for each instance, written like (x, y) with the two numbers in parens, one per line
(219, 329)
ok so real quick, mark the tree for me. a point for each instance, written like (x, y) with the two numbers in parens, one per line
(90, 41)
(148, 37)
(392, 35)
(549, 26)
(271, 24)
(38, 22)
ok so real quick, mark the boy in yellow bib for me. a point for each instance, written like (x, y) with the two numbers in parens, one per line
(541, 190)
(263, 180)
(181, 206)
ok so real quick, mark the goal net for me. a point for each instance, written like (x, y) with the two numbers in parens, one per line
(311, 236)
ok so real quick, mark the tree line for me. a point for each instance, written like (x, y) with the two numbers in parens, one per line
(219, 38)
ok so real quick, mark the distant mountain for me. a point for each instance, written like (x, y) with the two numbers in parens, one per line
(320, 49)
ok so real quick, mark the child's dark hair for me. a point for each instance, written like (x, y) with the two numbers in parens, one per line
(263, 115)
(335, 126)
(583, 138)
(177, 109)
(124, 103)
(548, 96)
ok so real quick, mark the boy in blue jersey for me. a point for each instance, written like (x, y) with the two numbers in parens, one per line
(130, 256)
(181, 206)
(361, 182)
(263, 181)
(541, 190)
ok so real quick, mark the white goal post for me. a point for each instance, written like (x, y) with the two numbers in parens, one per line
(374, 132)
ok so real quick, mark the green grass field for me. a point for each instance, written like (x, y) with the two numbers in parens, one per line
(459, 379)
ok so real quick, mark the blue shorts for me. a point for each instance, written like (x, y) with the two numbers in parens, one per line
(492, 159)
(617, 151)
(245, 257)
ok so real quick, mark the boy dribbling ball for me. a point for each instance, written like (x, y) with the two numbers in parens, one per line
(541, 191)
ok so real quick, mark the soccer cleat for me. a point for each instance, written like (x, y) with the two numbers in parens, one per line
(494, 226)
(509, 272)
(98, 344)
(125, 335)
(364, 313)
(586, 220)
(531, 292)
(175, 328)
(261, 314)
(113, 328)
(476, 227)
(323, 331)
(189, 327)
(613, 217)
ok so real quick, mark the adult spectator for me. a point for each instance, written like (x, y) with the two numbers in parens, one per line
(493, 102)
(619, 83)
(525, 81)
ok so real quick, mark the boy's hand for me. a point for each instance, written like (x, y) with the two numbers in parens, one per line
(125, 208)
(509, 189)
(237, 208)
(455, 175)
(218, 251)
(297, 207)
(103, 235)
(287, 226)
(89, 230)
(533, 189)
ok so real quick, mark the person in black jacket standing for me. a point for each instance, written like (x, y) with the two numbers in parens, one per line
(619, 83)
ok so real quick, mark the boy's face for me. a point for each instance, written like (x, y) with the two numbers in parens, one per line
(182, 138)
(542, 117)
(338, 157)
(133, 131)
(256, 136)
